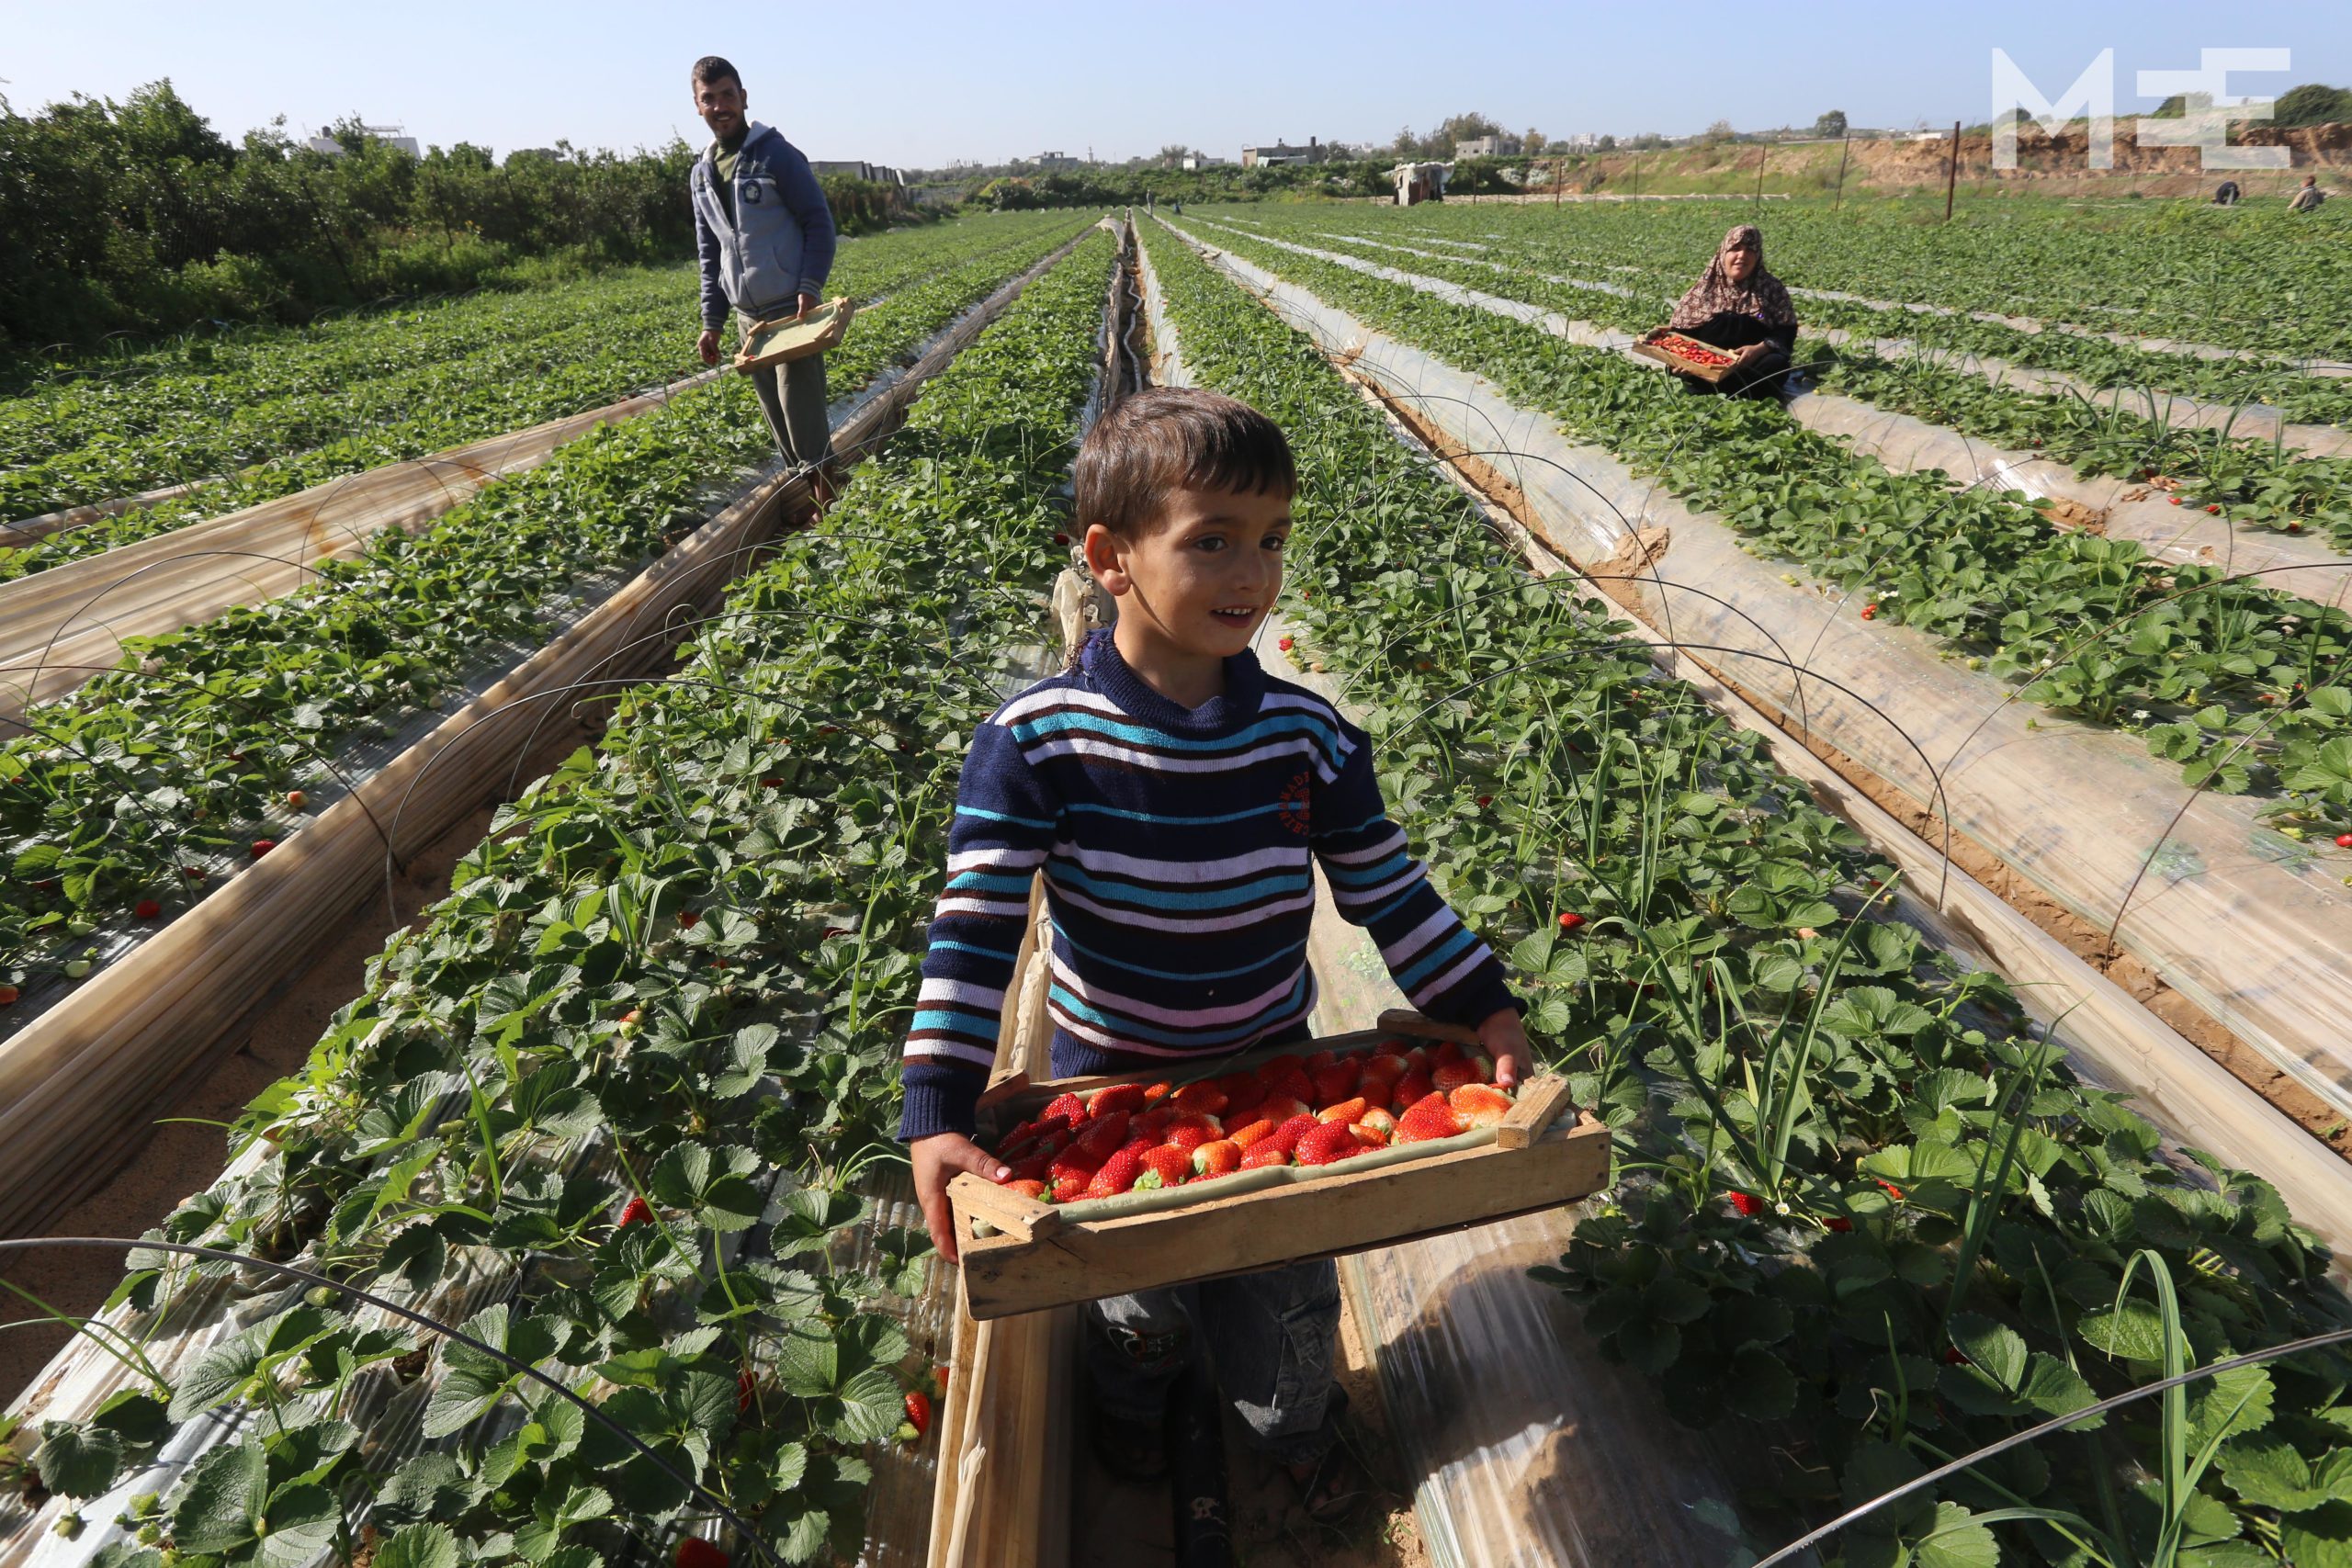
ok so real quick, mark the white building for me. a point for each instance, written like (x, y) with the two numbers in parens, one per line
(390, 135)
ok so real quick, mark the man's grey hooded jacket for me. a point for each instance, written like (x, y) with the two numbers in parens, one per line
(778, 244)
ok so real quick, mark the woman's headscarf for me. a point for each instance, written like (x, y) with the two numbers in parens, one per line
(1762, 296)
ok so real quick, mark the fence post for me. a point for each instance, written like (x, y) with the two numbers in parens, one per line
(1761, 154)
(1952, 171)
(1844, 146)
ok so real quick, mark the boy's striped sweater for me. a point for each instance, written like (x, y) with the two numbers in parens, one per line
(1175, 845)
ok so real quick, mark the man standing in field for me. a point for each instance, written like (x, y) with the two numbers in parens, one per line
(765, 238)
(2308, 196)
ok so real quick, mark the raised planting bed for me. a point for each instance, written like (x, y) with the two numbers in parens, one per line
(691, 953)
(1863, 1214)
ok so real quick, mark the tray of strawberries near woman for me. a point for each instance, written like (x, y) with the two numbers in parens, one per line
(1687, 355)
(1353, 1140)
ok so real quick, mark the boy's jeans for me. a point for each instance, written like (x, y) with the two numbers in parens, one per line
(1271, 1336)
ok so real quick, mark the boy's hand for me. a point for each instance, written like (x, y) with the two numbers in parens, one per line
(1506, 1042)
(936, 1160)
(706, 345)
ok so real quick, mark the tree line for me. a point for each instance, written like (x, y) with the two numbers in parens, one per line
(140, 217)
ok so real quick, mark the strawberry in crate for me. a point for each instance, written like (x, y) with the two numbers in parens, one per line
(1319, 1110)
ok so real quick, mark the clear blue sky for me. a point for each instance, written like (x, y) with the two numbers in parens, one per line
(921, 85)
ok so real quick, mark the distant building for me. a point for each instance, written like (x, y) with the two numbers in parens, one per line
(1283, 153)
(1055, 161)
(389, 135)
(1197, 161)
(1582, 141)
(858, 169)
(1417, 183)
(1486, 147)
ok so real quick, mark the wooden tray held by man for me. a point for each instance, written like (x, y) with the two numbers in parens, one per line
(787, 338)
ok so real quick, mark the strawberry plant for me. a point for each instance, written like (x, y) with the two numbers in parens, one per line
(183, 754)
(2088, 627)
(600, 355)
(1856, 1204)
(646, 1132)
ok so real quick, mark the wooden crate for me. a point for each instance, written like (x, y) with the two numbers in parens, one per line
(787, 338)
(1039, 1257)
(1655, 346)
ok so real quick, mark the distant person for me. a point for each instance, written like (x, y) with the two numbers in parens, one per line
(2308, 196)
(2228, 195)
(1738, 306)
(765, 238)
(1179, 205)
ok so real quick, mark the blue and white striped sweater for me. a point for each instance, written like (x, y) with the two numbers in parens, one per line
(1177, 848)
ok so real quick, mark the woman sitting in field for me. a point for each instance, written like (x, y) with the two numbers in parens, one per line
(1738, 307)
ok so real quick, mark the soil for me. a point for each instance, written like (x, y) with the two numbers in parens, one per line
(2045, 165)
(177, 1159)
(1119, 1524)
(1617, 579)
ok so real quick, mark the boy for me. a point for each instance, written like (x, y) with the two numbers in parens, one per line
(1173, 795)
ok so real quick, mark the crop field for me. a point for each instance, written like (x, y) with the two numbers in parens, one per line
(1916, 815)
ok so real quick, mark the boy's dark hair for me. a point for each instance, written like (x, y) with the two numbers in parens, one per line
(713, 68)
(1168, 439)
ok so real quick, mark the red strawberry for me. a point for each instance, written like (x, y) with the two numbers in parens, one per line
(1447, 1051)
(1128, 1097)
(1070, 1187)
(696, 1553)
(1478, 1104)
(919, 1412)
(1839, 1223)
(1748, 1204)
(1252, 1133)
(1952, 1358)
(1429, 1117)
(1370, 1136)
(1456, 1075)
(1284, 645)
(2176, 500)
(1101, 1138)
(263, 846)
(1154, 1093)
(1166, 1165)
(1280, 1108)
(1286, 1136)
(1190, 1131)
(8, 995)
(1382, 1066)
(1265, 1153)
(747, 1388)
(771, 784)
(1218, 1158)
(1241, 1104)
(2344, 841)
(1347, 1110)
(1570, 921)
(1061, 539)
(1118, 1173)
(1202, 1100)
(1154, 1124)
(296, 800)
(687, 919)
(1379, 1121)
(1412, 1088)
(1891, 1190)
(635, 1212)
(2211, 509)
(148, 909)
(1334, 1082)
(1485, 801)
(1332, 1140)
(1028, 1187)
(1068, 1108)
